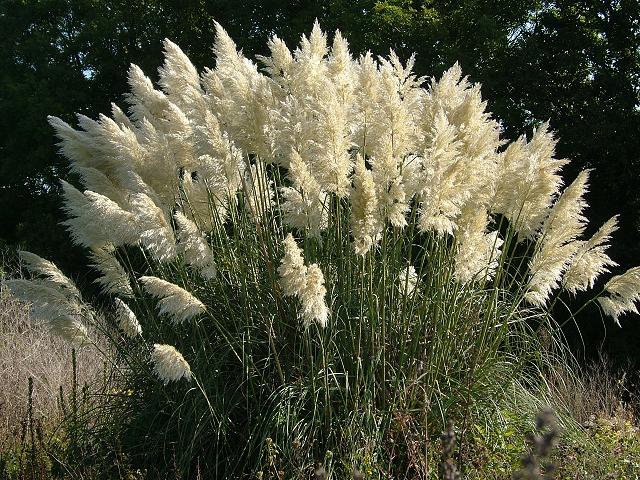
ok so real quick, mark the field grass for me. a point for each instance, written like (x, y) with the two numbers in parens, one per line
(41, 392)
(27, 350)
(600, 437)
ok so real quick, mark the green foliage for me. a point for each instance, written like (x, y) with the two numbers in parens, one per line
(605, 447)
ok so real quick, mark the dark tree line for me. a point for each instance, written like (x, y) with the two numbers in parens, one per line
(576, 64)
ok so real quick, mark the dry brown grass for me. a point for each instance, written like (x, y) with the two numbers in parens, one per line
(27, 350)
(593, 391)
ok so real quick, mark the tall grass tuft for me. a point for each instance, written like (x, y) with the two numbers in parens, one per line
(324, 255)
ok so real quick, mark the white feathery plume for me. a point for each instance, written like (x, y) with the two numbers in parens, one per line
(240, 95)
(394, 131)
(97, 220)
(135, 184)
(164, 132)
(624, 293)
(169, 364)
(96, 181)
(528, 181)
(305, 204)
(407, 280)
(390, 192)
(341, 68)
(47, 300)
(559, 241)
(303, 211)
(174, 301)
(591, 261)
(153, 105)
(120, 117)
(476, 138)
(278, 65)
(155, 231)
(52, 305)
(325, 134)
(178, 77)
(114, 279)
(125, 145)
(477, 251)
(314, 307)
(333, 165)
(76, 145)
(71, 329)
(316, 44)
(127, 320)
(441, 199)
(194, 248)
(367, 98)
(412, 171)
(95, 147)
(160, 168)
(292, 270)
(219, 163)
(41, 267)
(480, 138)
(103, 135)
(113, 221)
(74, 199)
(107, 136)
(366, 226)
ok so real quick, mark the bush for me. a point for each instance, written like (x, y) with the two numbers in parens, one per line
(317, 265)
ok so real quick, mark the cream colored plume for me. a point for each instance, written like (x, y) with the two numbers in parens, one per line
(154, 230)
(174, 301)
(96, 221)
(127, 320)
(528, 181)
(305, 205)
(391, 196)
(559, 242)
(441, 195)
(366, 224)
(314, 307)
(624, 293)
(306, 283)
(51, 304)
(460, 144)
(477, 251)
(292, 270)
(315, 116)
(169, 364)
(194, 248)
(113, 279)
(238, 93)
(591, 261)
(52, 274)
(407, 280)
(53, 299)
(179, 79)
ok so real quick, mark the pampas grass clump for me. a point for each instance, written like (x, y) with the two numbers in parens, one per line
(322, 251)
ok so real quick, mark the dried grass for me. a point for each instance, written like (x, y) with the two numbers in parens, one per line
(28, 350)
(594, 391)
